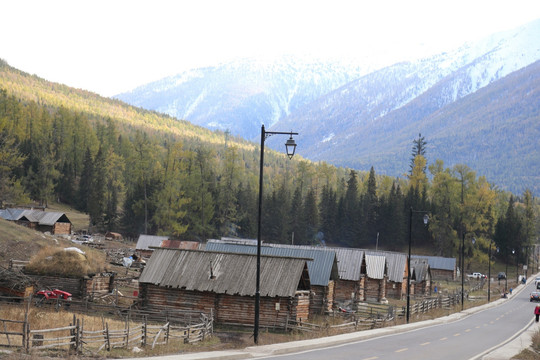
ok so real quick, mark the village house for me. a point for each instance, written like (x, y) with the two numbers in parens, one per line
(441, 268)
(146, 244)
(375, 283)
(420, 277)
(352, 275)
(56, 223)
(396, 282)
(322, 266)
(224, 284)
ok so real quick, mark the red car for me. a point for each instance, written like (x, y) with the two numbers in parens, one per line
(52, 295)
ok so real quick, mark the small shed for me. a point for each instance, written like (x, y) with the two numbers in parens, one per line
(225, 283)
(321, 262)
(441, 268)
(420, 277)
(352, 276)
(396, 282)
(375, 284)
(56, 223)
(113, 236)
(145, 243)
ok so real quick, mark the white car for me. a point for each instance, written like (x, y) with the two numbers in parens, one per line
(86, 238)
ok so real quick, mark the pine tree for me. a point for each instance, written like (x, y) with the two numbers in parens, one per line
(419, 148)
(85, 182)
(371, 209)
(311, 217)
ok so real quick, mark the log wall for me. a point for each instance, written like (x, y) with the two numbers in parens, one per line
(437, 274)
(375, 289)
(62, 228)
(396, 290)
(229, 309)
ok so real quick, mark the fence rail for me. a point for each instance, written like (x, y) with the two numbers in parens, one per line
(75, 337)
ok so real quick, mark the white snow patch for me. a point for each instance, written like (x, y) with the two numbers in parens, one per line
(328, 138)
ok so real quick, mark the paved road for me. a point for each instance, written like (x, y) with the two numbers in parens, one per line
(467, 338)
(495, 331)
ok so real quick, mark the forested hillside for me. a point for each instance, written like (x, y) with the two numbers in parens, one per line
(136, 172)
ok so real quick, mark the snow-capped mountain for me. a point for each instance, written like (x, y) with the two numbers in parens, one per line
(373, 120)
(364, 115)
(241, 96)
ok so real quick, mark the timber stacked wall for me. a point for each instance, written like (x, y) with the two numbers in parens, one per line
(78, 287)
(396, 290)
(322, 299)
(229, 309)
(438, 274)
(375, 289)
(62, 228)
(345, 289)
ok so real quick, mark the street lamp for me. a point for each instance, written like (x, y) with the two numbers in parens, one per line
(489, 269)
(463, 266)
(426, 219)
(290, 147)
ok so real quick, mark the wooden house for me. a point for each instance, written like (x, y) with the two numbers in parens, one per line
(396, 281)
(420, 277)
(322, 266)
(441, 268)
(375, 283)
(56, 223)
(146, 243)
(225, 283)
(352, 275)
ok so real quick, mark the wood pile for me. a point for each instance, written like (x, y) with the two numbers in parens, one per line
(15, 283)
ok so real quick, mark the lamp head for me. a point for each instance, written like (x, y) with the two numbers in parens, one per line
(290, 146)
(426, 219)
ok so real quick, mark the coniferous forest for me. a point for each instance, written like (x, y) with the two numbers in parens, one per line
(139, 172)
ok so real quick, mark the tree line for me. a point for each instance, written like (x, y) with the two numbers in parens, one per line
(140, 181)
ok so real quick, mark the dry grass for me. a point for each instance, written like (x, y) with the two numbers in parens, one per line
(54, 260)
(40, 318)
(533, 352)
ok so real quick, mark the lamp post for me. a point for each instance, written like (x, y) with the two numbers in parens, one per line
(290, 146)
(489, 269)
(462, 267)
(426, 219)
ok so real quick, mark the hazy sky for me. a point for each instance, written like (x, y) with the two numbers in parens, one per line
(111, 46)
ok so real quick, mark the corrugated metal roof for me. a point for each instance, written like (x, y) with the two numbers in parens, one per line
(322, 265)
(37, 216)
(437, 262)
(49, 218)
(145, 241)
(223, 273)
(396, 264)
(420, 269)
(349, 263)
(375, 266)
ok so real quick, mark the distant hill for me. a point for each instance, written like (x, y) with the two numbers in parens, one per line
(239, 97)
(362, 116)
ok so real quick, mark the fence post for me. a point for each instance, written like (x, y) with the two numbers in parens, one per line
(127, 332)
(107, 338)
(144, 330)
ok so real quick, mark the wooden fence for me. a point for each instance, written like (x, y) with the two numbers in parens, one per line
(75, 338)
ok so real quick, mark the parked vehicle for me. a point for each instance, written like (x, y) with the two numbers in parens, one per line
(535, 296)
(536, 280)
(501, 275)
(43, 296)
(86, 238)
(476, 275)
